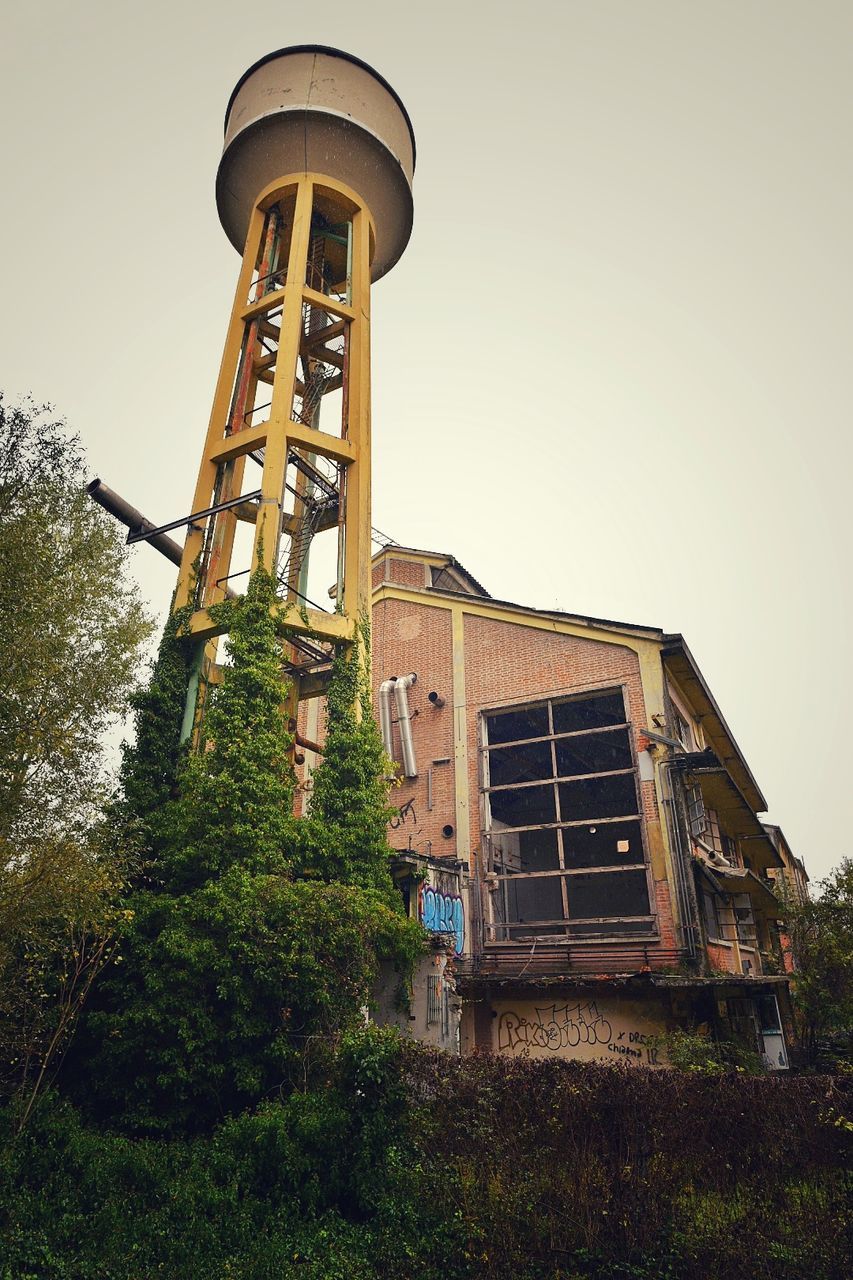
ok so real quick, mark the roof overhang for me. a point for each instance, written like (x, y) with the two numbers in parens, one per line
(735, 815)
(739, 880)
(678, 660)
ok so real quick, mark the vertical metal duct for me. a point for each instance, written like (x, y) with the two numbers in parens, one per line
(401, 694)
(385, 716)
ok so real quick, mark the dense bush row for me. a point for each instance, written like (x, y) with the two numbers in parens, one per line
(407, 1163)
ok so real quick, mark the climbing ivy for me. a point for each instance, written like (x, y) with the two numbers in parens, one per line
(345, 837)
(236, 791)
(257, 939)
(142, 813)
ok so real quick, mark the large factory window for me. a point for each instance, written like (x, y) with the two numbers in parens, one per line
(562, 821)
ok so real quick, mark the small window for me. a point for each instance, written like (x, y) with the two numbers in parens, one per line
(712, 919)
(696, 815)
(682, 730)
(613, 797)
(524, 851)
(610, 845)
(622, 893)
(523, 806)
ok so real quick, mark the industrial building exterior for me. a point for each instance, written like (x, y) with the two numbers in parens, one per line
(575, 824)
(575, 819)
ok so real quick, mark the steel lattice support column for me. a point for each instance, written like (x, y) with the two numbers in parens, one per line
(314, 188)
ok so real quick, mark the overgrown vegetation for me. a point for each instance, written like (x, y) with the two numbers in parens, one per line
(701, 1054)
(402, 1162)
(819, 934)
(345, 837)
(239, 973)
(71, 626)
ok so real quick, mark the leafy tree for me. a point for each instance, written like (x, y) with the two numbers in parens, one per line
(71, 628)
(820, 937)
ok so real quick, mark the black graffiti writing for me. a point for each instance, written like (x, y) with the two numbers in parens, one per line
(404, 814)
(554, 1028)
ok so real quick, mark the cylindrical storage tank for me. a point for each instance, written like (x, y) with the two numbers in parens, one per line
(311, 109)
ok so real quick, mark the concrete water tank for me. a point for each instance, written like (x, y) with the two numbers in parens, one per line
(311, 109)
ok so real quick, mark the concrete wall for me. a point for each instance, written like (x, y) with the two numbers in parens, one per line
(578, 1024)
(433, 1011)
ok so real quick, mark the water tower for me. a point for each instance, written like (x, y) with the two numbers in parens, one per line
(314, 190)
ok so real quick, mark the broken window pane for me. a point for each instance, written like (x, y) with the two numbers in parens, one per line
(523, 851)
(520, 764)
(539, 898)
(613, 844)
(524, 807)
(517, 724)
(614, 797)
(608, 893)
(597, 753)
(592, 711)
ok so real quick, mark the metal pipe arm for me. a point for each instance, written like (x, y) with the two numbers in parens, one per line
(132, 519)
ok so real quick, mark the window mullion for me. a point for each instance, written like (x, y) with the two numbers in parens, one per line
(557, 811)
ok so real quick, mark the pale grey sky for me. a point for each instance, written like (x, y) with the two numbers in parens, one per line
(611, 371)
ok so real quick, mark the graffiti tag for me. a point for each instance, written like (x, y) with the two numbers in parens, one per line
(443, 913)
(555, 1028)
(405, 813)
(566, 1026)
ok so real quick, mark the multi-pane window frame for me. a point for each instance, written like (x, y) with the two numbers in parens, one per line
(646, 925)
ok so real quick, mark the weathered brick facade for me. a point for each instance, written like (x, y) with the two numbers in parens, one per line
(477, 655)
(431, 618)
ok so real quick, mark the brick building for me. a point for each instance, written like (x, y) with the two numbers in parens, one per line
(576, 821)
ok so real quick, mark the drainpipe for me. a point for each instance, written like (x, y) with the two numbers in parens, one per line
(685, 889)
(385, 716)
(404, 719)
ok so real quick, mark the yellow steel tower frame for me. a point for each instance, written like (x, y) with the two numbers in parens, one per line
(300, 326)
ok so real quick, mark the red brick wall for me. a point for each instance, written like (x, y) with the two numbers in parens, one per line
(504, 663)
(507, 663)
(417, 638)
(721, 958)
(406, 573)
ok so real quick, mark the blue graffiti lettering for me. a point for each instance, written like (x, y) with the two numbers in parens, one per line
(443, 913)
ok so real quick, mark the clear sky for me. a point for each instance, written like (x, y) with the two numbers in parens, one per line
(612, 371)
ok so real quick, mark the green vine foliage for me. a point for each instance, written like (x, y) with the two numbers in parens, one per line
(345, 837)
(245, 957)
(143, 811)
(236, 791)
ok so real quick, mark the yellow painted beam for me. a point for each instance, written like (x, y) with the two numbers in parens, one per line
(319, 442)
(267, 302)
(327, 304)
(246, 441)
(290, 617)
(219, 410)
(460, 737)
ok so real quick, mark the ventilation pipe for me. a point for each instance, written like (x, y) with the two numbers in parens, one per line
(401, 694)
(132, 519)
(385, 716)
(435, 699)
